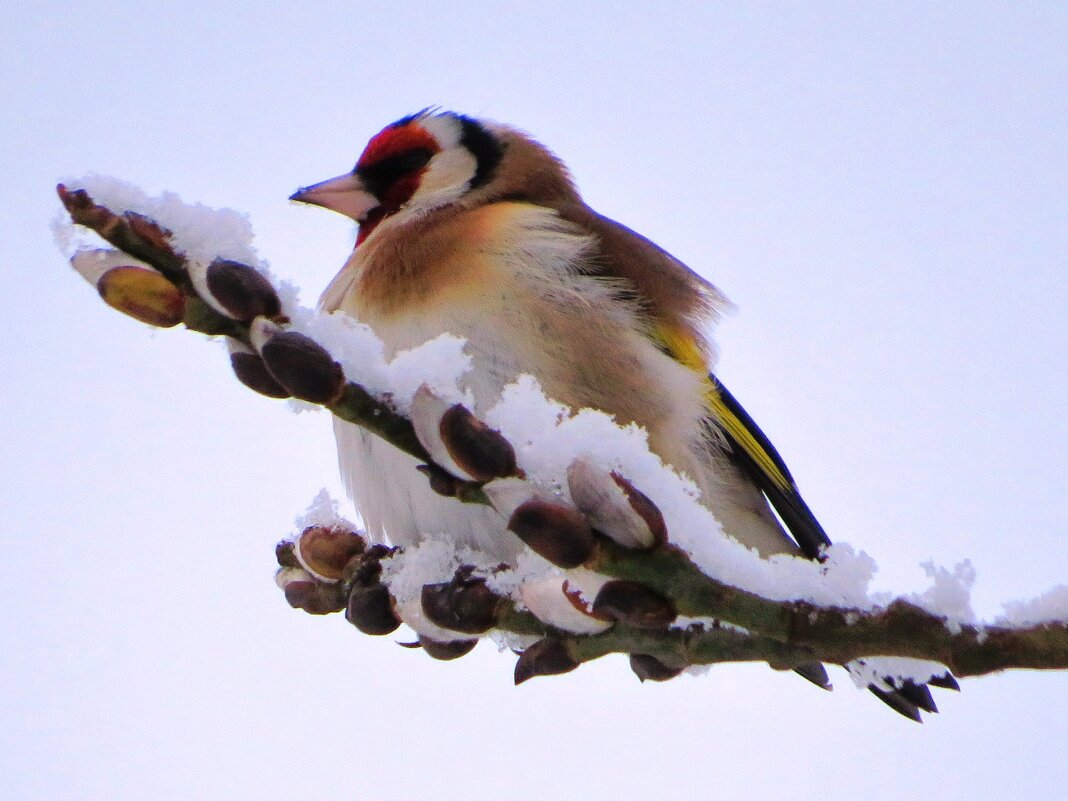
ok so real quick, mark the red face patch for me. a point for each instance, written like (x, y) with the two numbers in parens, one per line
(393, 141)
(384, 166)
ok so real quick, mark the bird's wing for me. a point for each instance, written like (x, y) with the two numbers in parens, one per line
(676, 299)
(749, 448)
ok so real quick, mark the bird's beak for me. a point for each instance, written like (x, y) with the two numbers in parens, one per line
(345, 194)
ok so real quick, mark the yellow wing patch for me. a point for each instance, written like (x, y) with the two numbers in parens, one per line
(682, 346)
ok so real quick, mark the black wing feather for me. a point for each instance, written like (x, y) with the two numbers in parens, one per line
(786, 500)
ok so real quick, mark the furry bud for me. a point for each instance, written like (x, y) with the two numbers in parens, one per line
(370, 609)
(462, 604)
(142, 293)
(458, 441)
(235, 289)
(633, 603)
(412, 615)
(508, 494)
(554, 531)
(547, 657)
(554, 601)
(649, 668)
(261, 330)
(302, 591)
(252, 372)
(614, 506)
(303, 367)
(92, 263)
(325, 550)
(446, 651)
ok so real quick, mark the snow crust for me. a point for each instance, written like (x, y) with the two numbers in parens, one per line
(1051, 606)
(548, 437)
(201, 232)
(432, 561)
(323, 511)
(950, 594)
(439, 363)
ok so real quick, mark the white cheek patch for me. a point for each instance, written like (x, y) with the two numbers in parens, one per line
(451, 170)
(447, 177)
(445, 128)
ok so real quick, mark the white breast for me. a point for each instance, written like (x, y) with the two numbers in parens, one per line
(533, 311)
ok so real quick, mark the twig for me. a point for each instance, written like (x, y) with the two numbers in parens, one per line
(656, 581)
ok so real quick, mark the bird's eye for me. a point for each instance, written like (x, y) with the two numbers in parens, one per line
(414, 159)
(380, 175)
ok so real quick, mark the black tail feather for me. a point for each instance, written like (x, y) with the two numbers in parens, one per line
(907, 697)
(898, 703)
(816, 673)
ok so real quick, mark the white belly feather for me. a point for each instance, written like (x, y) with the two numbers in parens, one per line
(533, 312)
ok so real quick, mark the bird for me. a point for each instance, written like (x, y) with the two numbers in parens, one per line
(473, 228)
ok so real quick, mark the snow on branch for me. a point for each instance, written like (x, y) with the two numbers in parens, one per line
(622, 558)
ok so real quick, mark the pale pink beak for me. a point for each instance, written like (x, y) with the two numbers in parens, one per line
(345, 194)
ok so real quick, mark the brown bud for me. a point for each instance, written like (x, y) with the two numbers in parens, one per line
(547, 657)
(554, 601)
(458, 441)
(367, 567)
(143, 294)
(633, 603)
(447, 650)
(238, 290)
(252, 372)
(151, 232)
(613, 505)
(650, 668)
(644, 508)
(303, 367)
(314, 597)
(480, 450)
(283, 552)
(370, 609)
(82, 209)
(140, 237)
(325, 550)
(463, 604)
(557, 532)
(441, 481)
(508, 494)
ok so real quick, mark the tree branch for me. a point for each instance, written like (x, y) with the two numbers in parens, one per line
(615, 531)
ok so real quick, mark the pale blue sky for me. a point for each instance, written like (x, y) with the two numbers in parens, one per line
(881, 189)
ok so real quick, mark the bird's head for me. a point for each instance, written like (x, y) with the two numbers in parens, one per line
(433, 159)
(421, 162)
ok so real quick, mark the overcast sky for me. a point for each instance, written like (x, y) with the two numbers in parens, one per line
(882, 191)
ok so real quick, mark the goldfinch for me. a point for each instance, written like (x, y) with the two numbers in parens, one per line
(473, 228)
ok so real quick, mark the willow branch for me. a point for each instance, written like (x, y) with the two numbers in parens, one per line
(783, 634)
